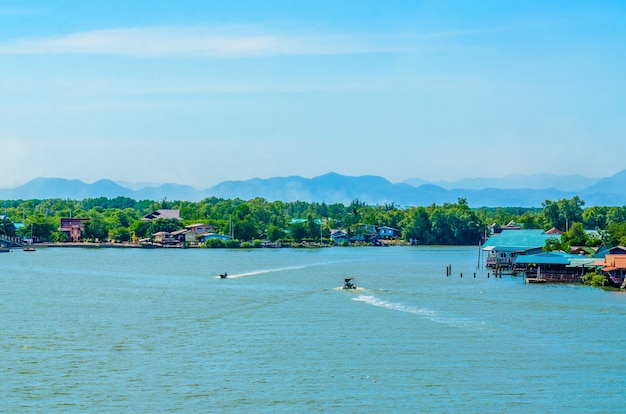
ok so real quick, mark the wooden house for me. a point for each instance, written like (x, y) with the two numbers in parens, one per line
(73, 228)
(164, 237)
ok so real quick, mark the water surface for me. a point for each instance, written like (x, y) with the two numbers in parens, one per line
(133, 330)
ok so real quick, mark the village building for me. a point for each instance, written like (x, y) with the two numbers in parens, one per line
(553, 267)
(73, 228)
(338, 235)
(388, 232)
(503, 248)
(613, 266)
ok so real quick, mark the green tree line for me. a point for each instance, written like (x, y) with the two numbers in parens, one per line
(456, 223)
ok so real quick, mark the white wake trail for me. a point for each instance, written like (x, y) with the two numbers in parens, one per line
(273, 270)
(424, 312)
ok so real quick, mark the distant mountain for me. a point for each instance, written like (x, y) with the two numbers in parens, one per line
(616, 184)
(516, 181)
(329, 188)
(61, 188)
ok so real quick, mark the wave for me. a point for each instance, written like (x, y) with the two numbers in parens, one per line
(424, 312)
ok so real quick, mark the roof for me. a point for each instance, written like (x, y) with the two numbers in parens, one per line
(612, 262)
(556, 258)
(193, 226)
(606, 250)
(517, 240)
(162, 214)
(301, 220)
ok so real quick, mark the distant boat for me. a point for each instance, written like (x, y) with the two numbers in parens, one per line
(29, 248)
(4, 249)
(223, 275)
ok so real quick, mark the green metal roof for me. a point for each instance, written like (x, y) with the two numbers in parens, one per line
(517, 240)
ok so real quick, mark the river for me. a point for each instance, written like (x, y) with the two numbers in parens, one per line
(156, 330)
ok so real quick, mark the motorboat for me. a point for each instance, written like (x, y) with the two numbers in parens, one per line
(348, 283)
(223, 275)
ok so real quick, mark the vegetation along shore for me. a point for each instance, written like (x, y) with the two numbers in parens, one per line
(216, 222)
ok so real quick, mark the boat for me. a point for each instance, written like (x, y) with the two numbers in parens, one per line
(348, 283)
(223, 275)
(4, 248)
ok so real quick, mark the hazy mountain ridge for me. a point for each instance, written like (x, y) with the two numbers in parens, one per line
(334, 188)
(515, 181)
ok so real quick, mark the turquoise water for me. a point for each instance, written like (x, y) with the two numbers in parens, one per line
(121, 330)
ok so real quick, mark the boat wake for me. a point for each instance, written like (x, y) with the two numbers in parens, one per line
(424, 312)
(263, 271)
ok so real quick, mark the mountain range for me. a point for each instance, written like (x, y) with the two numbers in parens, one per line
(330, 188)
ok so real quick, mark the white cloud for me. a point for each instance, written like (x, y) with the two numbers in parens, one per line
(229, 42)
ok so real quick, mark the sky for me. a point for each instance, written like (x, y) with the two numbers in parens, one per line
(200, 92)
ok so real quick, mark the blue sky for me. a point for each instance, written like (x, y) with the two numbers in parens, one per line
(199, 92)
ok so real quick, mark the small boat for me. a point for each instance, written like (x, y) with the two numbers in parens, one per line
(223, 275)
(348, 283)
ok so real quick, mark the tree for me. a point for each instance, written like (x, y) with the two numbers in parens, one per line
(7, 228)
(275, 233)
(575, 236)
(417, 226)
(96, 227)
(561, 214)
(119, 234)
(299, 231)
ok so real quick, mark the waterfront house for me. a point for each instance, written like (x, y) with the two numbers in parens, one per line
(365, 233)
(73, 228)
(163, 237)
(614, 268)
(388, 232)
(554, 267)
(503, 248)
(183, 236)
(338, 235)
(162, 214)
